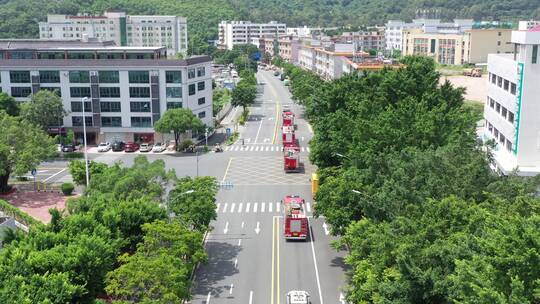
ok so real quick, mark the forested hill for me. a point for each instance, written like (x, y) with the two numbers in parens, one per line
(18, 18)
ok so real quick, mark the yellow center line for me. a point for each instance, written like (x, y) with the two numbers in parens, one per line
(227, 170)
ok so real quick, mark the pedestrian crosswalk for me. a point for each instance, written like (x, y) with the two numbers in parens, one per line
(254, 207)
(261, 148)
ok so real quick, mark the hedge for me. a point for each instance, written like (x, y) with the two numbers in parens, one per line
(20, 216)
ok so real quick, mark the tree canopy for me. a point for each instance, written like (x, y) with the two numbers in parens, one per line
(44, 109)
(244, 94)
(23, 146)
(178, 121)
(9, 104)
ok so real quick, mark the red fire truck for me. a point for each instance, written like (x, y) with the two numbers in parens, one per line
(288, 117)
(288, 135)
(295, 221)
(291, 158)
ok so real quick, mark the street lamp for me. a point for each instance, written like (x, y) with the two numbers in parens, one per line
(85, 100)
(357, 192)
(172, 214)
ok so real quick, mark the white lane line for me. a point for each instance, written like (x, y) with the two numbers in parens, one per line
(235, 262)
(266, 149)
(255, 207)
(278, 206)
(48, 178)
(270, 206)
(308, 207)
(251, 148)
(232, 207)
(243, 223)
(240, 207)
(247, 207)
(217, 207)
(257, 148)
(236, 148)
(239, 242)
(251, 297)
(258, 131)
(224, 208)
(315, 264)
(263, 205)
(208, 298)
(230, 290)
(302, 149)
(226, 228)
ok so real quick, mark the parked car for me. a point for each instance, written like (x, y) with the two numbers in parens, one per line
(276, 73)
(158, 148)
(145, 147)
(68, 148)
(104, 147)
(131, 147)
(118, 146)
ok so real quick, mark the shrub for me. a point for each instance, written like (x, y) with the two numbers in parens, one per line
(67, 188)
(73, 155)
(186, 144)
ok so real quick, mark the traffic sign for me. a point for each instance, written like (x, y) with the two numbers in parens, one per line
(228, 131)
(34, 171)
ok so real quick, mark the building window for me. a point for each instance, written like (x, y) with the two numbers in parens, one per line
(192, 89)
(493, 78)
(498, 107)
(504, 112)
(202, 114)
(21, 91)
(49, 76)
(76, 106)
(201, 71)
(141, 122)
(19, 76)
(110, 106)
(513, 88)
(499, 81)
(109, 77)
(511, 117)
(109, 92)
(173, 92)
(115, 121)
(506, 85)
(508, 145)
(55, 90)
(79, 92)
(200, 86)
(191, 73)
(139, 106)
(535, 53)
(77, 121)
(174, 105)
(173, 76)
(79, 77)
(139, 92)
(139, 77)
(201, 101)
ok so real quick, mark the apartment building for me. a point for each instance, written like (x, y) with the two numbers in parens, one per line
(329, 60)
(232, 33)
(129, 88)
(472, 46)
(367, 40)
(288, 48)
(512, 107)
(125, 30)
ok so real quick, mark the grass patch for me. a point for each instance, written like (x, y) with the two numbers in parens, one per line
(232, 138)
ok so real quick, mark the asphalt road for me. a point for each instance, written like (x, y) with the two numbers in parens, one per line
(249, 260)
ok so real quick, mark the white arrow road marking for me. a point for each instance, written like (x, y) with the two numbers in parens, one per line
(243, 225)
(270, 118)
(258, 228)
(325, 227)
(208, 298)
(239, 242)
(247, 140)
(342, 298)
(251, 297)
(232, 207)
(247, 207)
(230, 290)
(266, 140)
(226, 228)
(224, 208)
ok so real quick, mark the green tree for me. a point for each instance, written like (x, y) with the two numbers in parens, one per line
(45, 109)
(9, 104)
(243, 94)
(22, 147)
(77, 169)
(178, 121)
(193, 201)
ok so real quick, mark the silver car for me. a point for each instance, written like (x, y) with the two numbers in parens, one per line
(158, 148)
(145, 147)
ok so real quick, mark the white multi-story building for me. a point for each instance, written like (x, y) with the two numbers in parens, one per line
(512, 109)
(232, 33)
(300, 32)
(124, 30)
(528, 24)
(129, 88)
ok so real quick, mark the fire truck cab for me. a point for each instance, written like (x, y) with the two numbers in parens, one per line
(295, 221)
(288, 135)
(288, 117)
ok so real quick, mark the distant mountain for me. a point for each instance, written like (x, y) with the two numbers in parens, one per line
(18, 18)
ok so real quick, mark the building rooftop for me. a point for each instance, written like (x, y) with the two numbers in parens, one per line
(103, 62)
(535, 29)
(73, 45)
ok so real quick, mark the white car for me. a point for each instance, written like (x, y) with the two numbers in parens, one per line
(145, 147)
(104, 147)
(298, 297)
(158, 147)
